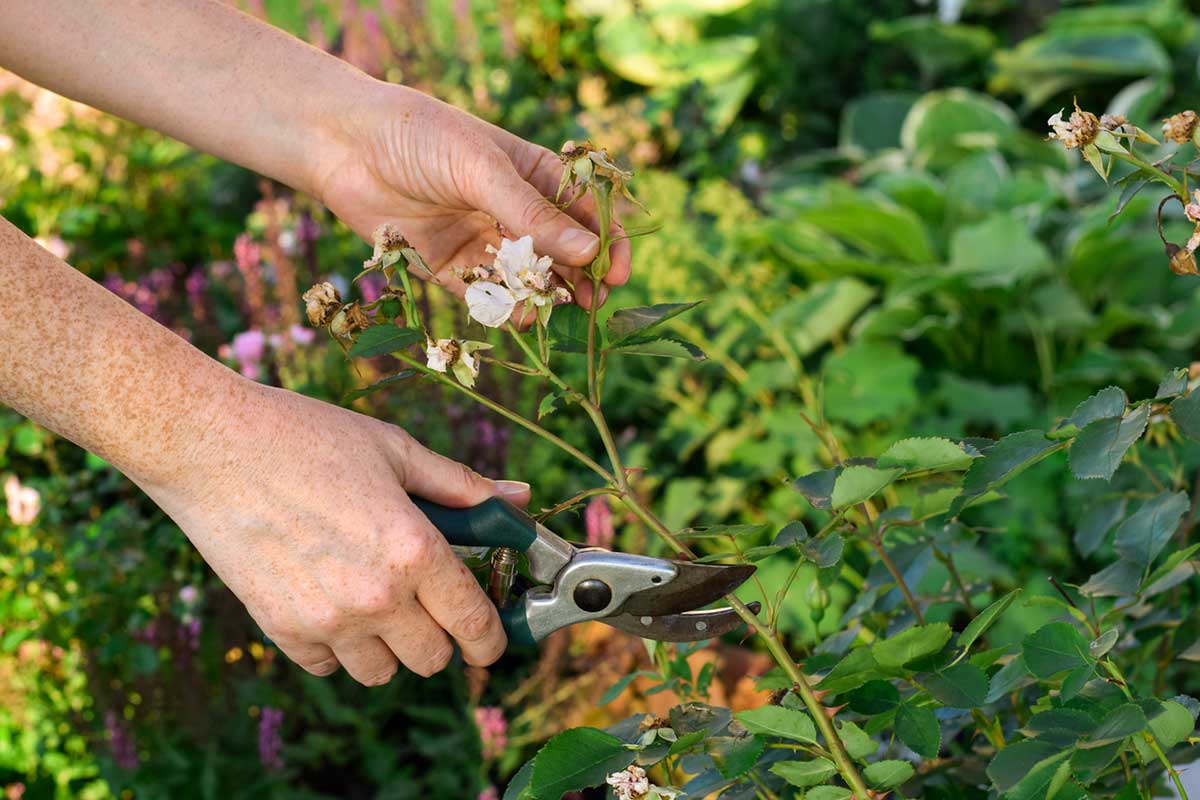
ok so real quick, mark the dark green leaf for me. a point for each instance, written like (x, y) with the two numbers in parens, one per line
(568, 329)
(779, 721)
(986, 618)
(734, 755)
(1002, 461)
(577, 759)
(1185, 411)
(1174, 383)
(665, 347)
(1007, 679)
(914, 643)
(379, 340)
(792, 533)
(1142, 537)
(1104, 404)
(1124, 720)
(1128, 193)
(627, 322)
(874, 697)
(805, 773)
(855, 669)
(1100, 447)
(377, 385)
(1054, 648)
(1060, 726)
(888, 774)
(1016, 761)
(1097, 521)
(960, 686)
(918, 728)
(518, 787)
(1118, 579)
(817, 487)
(824, 552)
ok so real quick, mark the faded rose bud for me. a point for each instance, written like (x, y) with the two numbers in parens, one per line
(348, 321)
(321, 303)
(1182, 261)
(1180, 127)
(1078, 130)
(388, 237)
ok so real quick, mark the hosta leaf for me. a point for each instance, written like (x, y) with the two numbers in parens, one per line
(379, 340)
(906, 646)
(735, 755)
(805, 773)
(568, 328)
(779, 721)
(960, 686)
(1055, 648)
(1003, 461)
(1017, 760)
(665, 347)
(1100, 447)
(860, 482)
(888, 774)
(1142, 537)
(1185, 411)
(577, 759)
(627, 322)
(1097, 521)
(918, 728)
(986, 618)
(925, 454)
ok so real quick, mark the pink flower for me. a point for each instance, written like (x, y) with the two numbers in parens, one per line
(597, 518)
(188, 595)
(302, 335)
(15, 791)
(24, 502)
(246, 252)
(249, 346)
(493, 730)
(489, 793)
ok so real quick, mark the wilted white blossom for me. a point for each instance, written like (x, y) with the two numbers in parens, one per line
(518, 275)
(631, 783)
(1078, 130)
(451, 355)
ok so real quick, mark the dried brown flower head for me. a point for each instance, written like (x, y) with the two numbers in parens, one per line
(1180, 128)
(348, 321)
(321, 303)
(1079, 130)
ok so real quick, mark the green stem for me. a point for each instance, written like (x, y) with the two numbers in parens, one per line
(1159, 174)
(876, 542)
(509, 414)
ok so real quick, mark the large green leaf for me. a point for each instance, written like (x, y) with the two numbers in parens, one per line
(911, 644)
(986, 618)
(1118, 579)
(577, 759)
(1146, 532)
(925, 454)
(1100, 447)
(872, 122)
(787, 723)
(518, 788)
(918, 728)
(734, 755)
(1124, 720)
(874, 226)
(1055, 648)
(1017, 760)
(961, 686)
(860, 482)
(1104, 404)
(1003, 461)
(821, 313)
(869, 381)
(379, 340)
(874, 697)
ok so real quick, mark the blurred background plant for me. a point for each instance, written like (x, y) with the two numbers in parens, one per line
(864, 191)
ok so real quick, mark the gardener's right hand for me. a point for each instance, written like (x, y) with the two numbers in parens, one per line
(302, 508)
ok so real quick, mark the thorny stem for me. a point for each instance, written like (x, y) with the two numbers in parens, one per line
(876, 542)
(570, 501)
(948, 560)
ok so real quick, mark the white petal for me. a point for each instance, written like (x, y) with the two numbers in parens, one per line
(435, 356)
(490, 303)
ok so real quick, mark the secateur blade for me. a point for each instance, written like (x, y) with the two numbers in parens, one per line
(691, 626)
(694, 586)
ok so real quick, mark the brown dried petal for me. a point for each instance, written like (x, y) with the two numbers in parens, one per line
(388, 237)
(321, 302)
(1180, 127)
(1181, 260)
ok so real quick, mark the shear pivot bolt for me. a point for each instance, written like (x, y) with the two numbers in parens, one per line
(593, 595)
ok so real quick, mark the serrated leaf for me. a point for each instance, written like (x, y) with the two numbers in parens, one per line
(720, 532)
(576, 759)
(1124, 720)
(828, 793)
(961, 686)
(382, 383)
(860, 482)
(986, 618)
(1185, 411)
(856, 668)
(380, 340)
(1101, 446)
(824, 552)
(817, 487)
(1143, 536)
(805, 773)
(1104, 404)
(911, 644)
(568, 328)
(858, 743)
(1097, 521)
(627, 322)
(734, 755)
(918, 728)
(1017, 760)
(1003, 461)
(1007, 679)
(664, 347)
(1060, 726)
(888, 774)
(1173, 384)
(548, 405)
(931, 454)
(874, 697)
(786, 723)
(1055, 648)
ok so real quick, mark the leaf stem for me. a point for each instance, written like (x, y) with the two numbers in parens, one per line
(1158, 174)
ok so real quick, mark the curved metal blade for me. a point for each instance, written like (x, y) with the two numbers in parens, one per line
(692, 626)
(694, 586)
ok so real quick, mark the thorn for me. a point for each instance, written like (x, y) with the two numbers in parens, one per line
(831, 711)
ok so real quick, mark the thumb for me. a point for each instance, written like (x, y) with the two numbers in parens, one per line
(522, 209)
(443, 480)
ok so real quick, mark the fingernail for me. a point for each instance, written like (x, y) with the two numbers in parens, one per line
(582, 243)
(512, 488)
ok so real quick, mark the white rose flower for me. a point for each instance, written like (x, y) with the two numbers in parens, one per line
(490, 304)
(630, 783)
(526, 278)
(451, 355)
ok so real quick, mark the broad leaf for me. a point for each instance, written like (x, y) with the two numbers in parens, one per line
(627, 322)
(1002, 462)
(518, 787)
(1098, 648)
(1173, 384)
(858, 743)
(779, 721)
(1105, 404)
(1017, 760)
(888, 774)
(856, 668)
(817, 487)
(828, 793)
(1143, 536)
(931, 454)
(1055, 648)
(805, 773)
(860, 482)
(960, 686)
(986, 618)
(869, 381)
(577, 759)
(874, 697)
(379, 340)
(735, 755)
(1099, 448)
(909, 645)
(1008, 678)
(918, 728)
(1118, 579)
(1124, 720)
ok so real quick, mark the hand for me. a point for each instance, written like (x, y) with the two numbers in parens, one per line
(445, 178)
(302, 508)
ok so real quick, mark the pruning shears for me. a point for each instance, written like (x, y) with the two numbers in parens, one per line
(653, 598)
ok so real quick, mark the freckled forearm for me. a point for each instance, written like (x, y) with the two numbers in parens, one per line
(87, 365)
(197, 70)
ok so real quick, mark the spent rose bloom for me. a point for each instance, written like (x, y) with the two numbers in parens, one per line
(1192, 209)
(525, 276)
(1078, 130)
(24, 502)
(1180, 127)
(631, 783)
(451, 355)
(321, 302)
